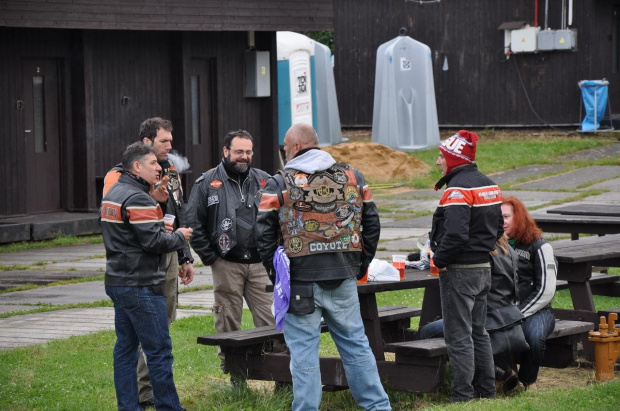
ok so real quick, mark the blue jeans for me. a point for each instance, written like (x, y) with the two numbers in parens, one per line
(140, 319)
(340, 310)
(536, 328)
(432, 330)
(464, 308)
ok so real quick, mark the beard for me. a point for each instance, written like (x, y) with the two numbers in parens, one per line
(240, 167)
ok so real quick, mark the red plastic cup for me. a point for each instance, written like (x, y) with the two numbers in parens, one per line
(364, 279)
(434, 270)
(398, 261)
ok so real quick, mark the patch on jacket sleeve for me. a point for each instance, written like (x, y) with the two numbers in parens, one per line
(455, 194)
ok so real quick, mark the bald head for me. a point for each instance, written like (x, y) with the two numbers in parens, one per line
(299, 137)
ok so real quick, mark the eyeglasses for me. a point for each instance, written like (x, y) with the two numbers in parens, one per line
(248, 153)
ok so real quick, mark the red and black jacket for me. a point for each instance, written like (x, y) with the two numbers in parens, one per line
(469, 220)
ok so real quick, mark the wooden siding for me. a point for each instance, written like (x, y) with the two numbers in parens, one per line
(193, 15)
(134, 65)
(480, 87)
(99, 68)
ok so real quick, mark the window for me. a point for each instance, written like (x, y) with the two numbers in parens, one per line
(195, 96)
(38, 87)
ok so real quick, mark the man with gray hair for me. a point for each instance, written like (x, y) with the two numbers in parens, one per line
(135, 237)
(323, 215)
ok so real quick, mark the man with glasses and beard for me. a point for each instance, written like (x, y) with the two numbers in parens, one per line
(222, 211)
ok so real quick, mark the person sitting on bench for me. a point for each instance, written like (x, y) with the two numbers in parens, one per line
(537, 271)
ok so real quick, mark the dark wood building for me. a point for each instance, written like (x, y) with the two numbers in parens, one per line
(78, 77)
(480, 86)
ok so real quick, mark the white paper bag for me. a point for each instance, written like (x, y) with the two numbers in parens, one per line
(380, 270)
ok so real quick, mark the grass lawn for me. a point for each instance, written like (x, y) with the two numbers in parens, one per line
(77, 373)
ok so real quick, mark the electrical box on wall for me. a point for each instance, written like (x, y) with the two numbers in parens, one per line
(565, 39)
(524, 40)
(546, 40)
(257, 74)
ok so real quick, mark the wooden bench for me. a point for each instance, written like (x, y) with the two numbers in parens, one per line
(396, 322)
(258, 353)
(394, 317)
(560, 352)
(600, 283)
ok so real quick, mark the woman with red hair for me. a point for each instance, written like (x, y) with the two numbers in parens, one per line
(537, 272)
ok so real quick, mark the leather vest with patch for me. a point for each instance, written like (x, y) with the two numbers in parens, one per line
(322, 212)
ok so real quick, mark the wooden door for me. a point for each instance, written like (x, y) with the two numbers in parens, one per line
(42, 136)
(203, 150)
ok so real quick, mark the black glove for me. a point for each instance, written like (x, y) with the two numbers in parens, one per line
(272, 276)
(363, 269)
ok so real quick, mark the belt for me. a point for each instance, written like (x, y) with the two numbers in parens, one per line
(478, 265)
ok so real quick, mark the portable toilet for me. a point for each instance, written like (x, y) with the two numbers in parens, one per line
(405, 113)
(306, 87)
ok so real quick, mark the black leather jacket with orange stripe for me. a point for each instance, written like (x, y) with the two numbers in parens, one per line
(469, 220)
(134, 235)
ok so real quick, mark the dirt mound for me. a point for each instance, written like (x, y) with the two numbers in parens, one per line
(378, 162)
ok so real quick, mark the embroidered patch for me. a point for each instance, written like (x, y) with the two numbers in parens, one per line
(301, 179)
(322, 190)
(350, 194)
(287, 214)
(345, 239)
(340, 177)
(355, 239)
(302, 206)
(343, 211)
(324, 208)
(455, 194)
(292, 228)
(213, 200)
(295, 245)
(311, 225)
(295, 193)
(320, 247)
(216, 184)
(226, 224)
(224, 242)
(262, 182)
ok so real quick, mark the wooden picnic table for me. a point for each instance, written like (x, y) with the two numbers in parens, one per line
(576, 224)
(250, 353)
(431, 305)
(575, 261)
(415, 365)
(601, 210)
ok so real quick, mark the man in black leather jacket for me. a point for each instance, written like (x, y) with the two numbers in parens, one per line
(222, 211)
(136, 244)
(157, 133)
(466, 225)
(323, 214)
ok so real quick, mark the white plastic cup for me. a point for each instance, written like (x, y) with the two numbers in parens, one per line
(169, 218)
(398, 261)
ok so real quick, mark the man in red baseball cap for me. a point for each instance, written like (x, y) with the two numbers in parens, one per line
(465, 227)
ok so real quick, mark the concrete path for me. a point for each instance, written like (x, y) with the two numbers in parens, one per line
(399, 234)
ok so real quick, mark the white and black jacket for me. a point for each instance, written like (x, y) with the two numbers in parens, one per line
(537, 271)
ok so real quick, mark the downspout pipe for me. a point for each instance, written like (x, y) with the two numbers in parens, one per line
(535, 13)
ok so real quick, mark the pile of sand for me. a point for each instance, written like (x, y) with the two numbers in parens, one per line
(378, 162)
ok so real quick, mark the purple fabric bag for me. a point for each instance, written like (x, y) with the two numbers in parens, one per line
(282, 287)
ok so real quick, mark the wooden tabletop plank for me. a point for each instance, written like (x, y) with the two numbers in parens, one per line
(587, 249)
(609, 210)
